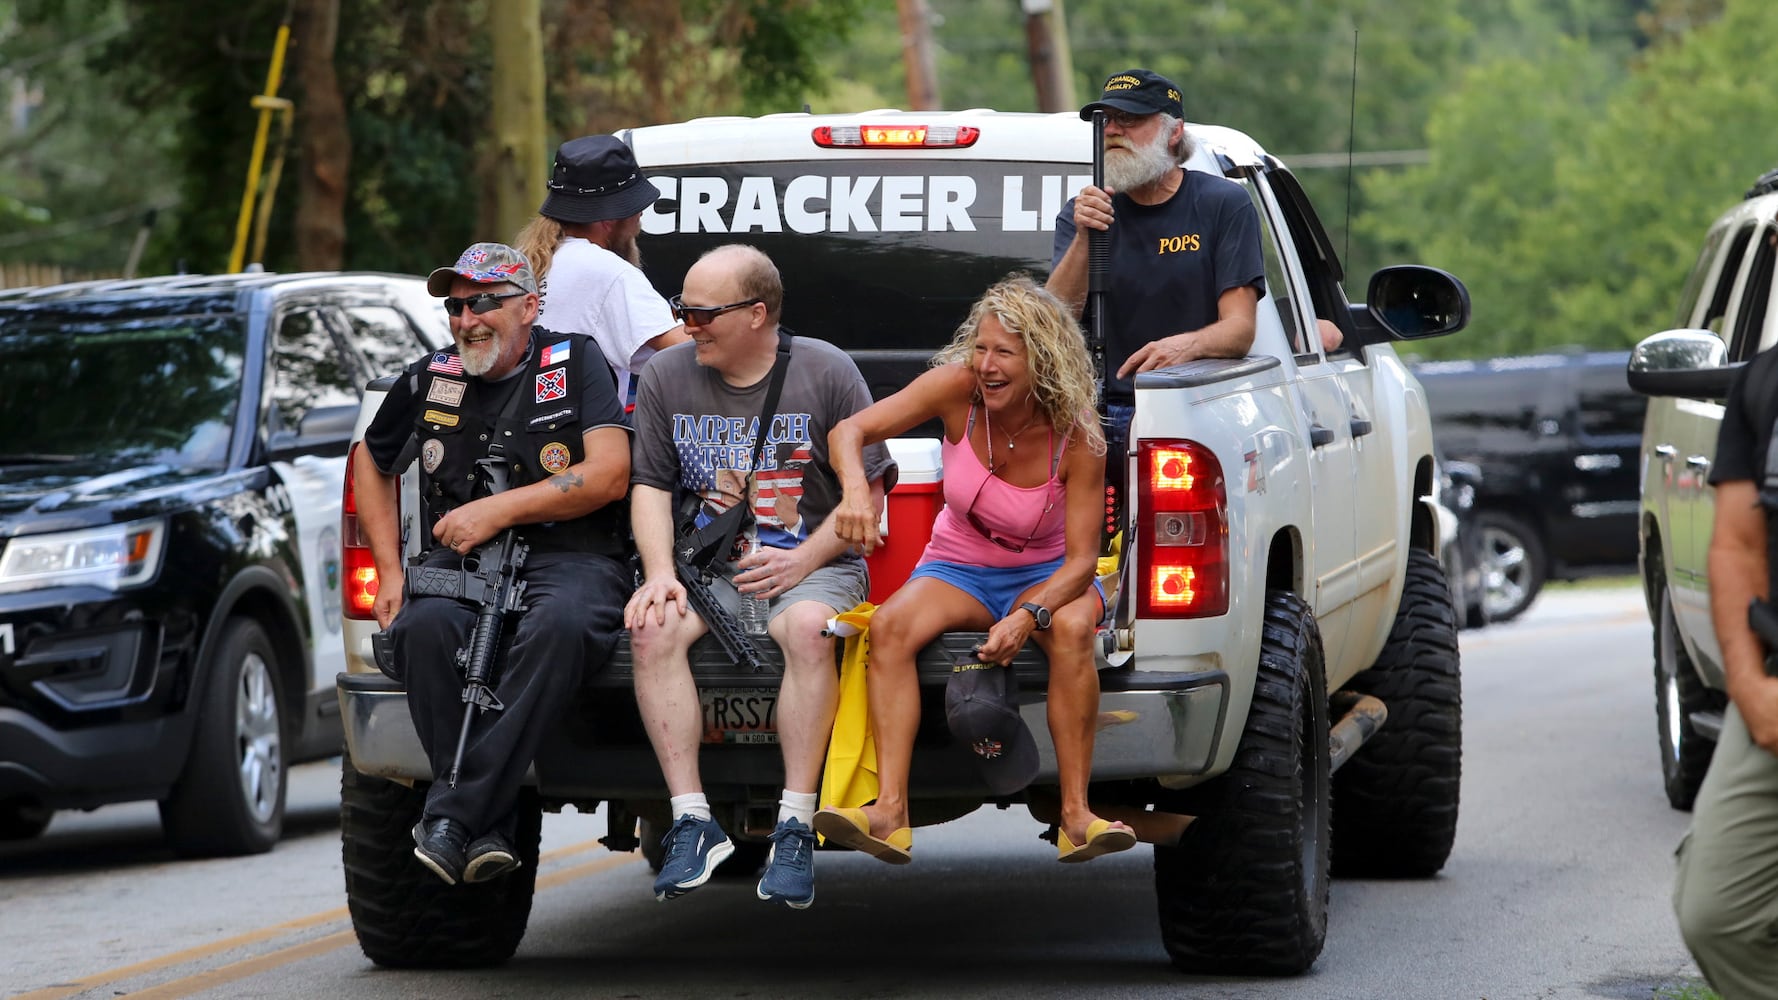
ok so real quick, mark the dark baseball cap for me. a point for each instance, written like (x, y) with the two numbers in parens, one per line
(982, 709)
(594, 178)
(1140, 92)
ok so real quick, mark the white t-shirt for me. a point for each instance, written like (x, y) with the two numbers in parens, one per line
(593, 291)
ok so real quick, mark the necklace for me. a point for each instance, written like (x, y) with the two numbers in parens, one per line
(1010, 438)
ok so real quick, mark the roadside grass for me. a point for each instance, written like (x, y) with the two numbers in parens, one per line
(1694, 990)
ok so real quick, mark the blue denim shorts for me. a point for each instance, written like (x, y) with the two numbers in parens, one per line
(997, 588)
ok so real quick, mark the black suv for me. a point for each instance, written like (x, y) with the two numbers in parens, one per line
(1554, 439)
(170, 579)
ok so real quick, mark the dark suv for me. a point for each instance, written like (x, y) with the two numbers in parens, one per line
(1554, 439)
(169, 538)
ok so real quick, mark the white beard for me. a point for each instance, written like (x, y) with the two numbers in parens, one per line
(1128, 168)
(478, 359)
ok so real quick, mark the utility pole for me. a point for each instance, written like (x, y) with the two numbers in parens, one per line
(518, 165)
(916, 55)
(1052, 66)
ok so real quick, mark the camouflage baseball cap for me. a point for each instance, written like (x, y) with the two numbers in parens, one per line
(488, 264)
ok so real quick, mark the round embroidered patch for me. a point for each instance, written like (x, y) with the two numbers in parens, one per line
(431, 453)
(554, 456)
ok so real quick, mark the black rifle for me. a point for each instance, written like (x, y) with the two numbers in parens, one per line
(729, 634)
(1762, 617)
(1098, 264)
(489, 579)
(695, 578)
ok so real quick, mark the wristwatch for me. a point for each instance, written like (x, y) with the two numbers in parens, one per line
(1040, 613)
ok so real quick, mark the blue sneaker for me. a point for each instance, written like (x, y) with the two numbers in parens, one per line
(790, 868)
(694, 848)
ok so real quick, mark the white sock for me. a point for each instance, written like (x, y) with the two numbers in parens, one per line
(799, 806)
(694, 805)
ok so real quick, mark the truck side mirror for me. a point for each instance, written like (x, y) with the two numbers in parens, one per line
(1689, 363)
(1414, 302)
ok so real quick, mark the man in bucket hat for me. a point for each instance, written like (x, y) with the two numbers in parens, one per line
(1185, 271)
(547, 401)
(583, 246)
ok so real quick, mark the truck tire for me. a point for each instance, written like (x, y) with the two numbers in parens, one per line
(1679, 691)
(404, 915)
(748, 859)
(230, 799)
(1514, 565)
(1395, 801)
(1245, 891)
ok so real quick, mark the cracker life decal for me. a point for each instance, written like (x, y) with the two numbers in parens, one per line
(552, 386)
(431, 453)
(447, 391)
(440, 418)
(554, 457)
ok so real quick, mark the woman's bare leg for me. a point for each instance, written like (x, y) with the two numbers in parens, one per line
(1073, 704)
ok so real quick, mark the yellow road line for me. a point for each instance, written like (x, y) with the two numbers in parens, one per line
(295, 953)
(247, 967)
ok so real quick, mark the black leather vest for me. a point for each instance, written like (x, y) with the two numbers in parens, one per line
(458, 420)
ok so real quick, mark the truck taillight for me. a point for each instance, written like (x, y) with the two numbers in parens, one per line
(1181, 531)
(359, 583)
(895, 136)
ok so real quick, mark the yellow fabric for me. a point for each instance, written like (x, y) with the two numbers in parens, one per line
(849, 778)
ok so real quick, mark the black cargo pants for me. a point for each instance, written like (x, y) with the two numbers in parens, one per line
(574, 610)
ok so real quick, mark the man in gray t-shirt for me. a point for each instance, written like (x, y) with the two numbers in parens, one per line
(697, 415)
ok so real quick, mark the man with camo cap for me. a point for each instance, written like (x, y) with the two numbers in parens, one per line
(545, 402)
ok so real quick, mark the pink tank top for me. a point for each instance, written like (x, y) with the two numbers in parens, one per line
(1010, 512)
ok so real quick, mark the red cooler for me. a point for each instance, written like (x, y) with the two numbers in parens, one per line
(908, 514)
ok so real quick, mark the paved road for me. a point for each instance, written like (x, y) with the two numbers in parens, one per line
(1557, 887)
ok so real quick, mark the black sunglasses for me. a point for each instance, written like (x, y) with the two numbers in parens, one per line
(975, 521)
(703, 315)
(481, 304)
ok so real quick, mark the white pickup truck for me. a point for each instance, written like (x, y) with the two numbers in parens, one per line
(1240, 675)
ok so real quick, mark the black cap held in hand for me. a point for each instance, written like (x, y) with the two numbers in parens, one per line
(982, 710)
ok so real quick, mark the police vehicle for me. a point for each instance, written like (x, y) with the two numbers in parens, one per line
(170, 577)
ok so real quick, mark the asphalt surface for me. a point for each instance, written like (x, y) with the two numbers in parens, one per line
(1557, 886)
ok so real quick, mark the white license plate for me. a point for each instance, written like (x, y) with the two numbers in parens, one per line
(740, 715)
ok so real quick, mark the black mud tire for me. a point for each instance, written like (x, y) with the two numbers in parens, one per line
(745, 863)
(230, 798)
(1395, 801)
(1514, 564)
(23, 819)
(404, 915)
(1245, 891)
(1679, 691)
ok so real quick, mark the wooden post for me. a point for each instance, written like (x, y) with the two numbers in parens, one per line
(916, 55)
(1052, 64)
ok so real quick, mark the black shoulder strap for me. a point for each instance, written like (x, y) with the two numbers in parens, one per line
(773, 390)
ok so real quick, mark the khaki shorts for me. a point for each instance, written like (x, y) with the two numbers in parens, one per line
(841, 585)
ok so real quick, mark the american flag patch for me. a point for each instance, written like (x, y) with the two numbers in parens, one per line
(554, 355)
(449, 364)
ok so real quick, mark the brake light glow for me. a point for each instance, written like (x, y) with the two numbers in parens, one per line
(1181, 531)
(359, 582)
(895, 136)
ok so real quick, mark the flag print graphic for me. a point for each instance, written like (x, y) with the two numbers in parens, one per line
(448, 364)
(552, 385)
